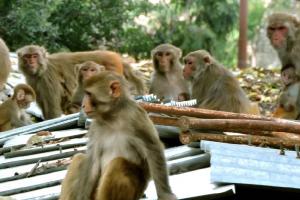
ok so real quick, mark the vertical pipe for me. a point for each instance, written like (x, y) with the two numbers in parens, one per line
(242, 51)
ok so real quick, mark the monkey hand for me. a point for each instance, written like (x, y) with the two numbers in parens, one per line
(167, 196)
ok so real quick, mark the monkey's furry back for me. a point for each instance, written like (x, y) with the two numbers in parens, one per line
(218, 89)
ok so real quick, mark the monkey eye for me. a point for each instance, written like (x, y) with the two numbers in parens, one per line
(87, 93)
(271, 28)
(281, 28)
(159, 53)
(168, 53)
(28, 56)
(281, 105)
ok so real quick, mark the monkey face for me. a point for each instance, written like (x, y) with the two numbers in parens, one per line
(25, 103)
(189, 67)
(102, 92)
(23, 96)
(278, 35)
(31, 62)
(288, 75)
(88, 71)
(164, 60)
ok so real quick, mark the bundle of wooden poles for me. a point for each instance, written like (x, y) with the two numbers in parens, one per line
(254, 129)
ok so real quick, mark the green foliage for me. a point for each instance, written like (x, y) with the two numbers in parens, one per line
(88, 24)
(193, 25)
(63, 24)
(26, 23)
(77, 25)
(256, 11)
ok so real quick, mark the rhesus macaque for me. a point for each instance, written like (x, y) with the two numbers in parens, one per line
(53, 77)
(289, 102)
(124, 149)
(84, 71)
(288, 75)
(283, 33)
(5, 64)
(136, 83)
(167, 81)
(12, 111)
(213, 85)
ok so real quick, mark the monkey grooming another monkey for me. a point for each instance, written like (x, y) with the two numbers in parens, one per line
(12, 111)
(213, 85)
(53, 77)
(124, 149)
(167, 82)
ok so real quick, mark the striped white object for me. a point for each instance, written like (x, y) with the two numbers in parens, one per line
(242, 164)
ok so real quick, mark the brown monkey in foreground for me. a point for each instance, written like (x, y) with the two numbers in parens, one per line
(53, 77)
(5, 64)
(124, 149)
(213, 85)
(136, 83)
(84, 71)
(12, 111)
(167, 81)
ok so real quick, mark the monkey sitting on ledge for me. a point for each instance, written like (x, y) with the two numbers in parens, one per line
(124, 149)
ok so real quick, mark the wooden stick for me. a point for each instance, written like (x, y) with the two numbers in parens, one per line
(187, 137)
(173, 121)
(201, 113)
(234, 125)
(167, 121)
(284, 135)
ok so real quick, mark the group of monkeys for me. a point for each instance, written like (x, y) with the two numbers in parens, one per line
(124, 149)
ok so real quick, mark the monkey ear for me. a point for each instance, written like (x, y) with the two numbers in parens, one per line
(179, 52)
(20, 95)
(77, 68)
(115, 87)
(207, 60)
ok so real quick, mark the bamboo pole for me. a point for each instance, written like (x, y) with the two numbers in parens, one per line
(187, 137)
